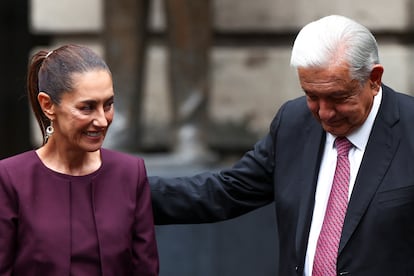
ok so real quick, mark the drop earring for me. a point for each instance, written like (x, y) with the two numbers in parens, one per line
(49, 131)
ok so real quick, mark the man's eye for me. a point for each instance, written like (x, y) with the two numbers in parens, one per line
(340, 99)
(312, 97)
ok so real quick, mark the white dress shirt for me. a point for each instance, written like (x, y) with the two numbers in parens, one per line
(359, 139)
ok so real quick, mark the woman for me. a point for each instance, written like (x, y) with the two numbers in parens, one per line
(71, 207)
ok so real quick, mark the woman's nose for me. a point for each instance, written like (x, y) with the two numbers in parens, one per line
(100, 119)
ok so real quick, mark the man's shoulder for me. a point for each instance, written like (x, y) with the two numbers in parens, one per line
(404, 101)
(295, 109)
(394, 93)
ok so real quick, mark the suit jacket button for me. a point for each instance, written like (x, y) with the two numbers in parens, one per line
(343, 273)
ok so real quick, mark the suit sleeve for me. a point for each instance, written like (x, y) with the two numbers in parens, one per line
(212, 197)
(8, 224)
(145, 255)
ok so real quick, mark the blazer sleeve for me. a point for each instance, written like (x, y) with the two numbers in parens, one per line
(216, 196)
(8, 223)
(145, 255)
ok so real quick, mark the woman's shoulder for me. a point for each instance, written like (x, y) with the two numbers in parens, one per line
(120, 163)
(20, 160)
(20, 165)
(117, 157)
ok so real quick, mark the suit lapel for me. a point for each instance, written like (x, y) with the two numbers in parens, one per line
(379, 152)
(312, 153)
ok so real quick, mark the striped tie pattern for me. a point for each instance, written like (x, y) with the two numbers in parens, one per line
(328, 242)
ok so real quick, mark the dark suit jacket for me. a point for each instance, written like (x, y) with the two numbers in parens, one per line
(35, 217)
(378, 234)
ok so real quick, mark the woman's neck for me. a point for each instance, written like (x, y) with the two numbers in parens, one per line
(70, 162)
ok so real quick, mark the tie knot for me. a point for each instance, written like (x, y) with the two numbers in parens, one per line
(343, 145)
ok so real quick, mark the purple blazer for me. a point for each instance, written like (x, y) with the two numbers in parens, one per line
(35, 217)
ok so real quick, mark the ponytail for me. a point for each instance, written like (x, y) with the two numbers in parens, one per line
(33, 90)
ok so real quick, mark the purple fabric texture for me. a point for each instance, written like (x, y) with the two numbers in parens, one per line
(35, 217)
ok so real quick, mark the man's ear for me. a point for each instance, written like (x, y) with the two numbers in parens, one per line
(46, 104)
(376, 76)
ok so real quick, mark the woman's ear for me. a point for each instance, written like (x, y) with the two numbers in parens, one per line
(46, 104)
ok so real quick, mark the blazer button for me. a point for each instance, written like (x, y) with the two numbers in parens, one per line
(343, 273)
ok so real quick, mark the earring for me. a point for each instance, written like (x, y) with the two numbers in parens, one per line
(49, 130)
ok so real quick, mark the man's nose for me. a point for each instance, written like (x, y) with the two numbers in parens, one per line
(326, 110)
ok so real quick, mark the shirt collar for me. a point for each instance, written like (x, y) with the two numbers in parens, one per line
(359, 138)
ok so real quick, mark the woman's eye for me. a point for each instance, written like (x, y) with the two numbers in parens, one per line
(108, 107)
(86, 108)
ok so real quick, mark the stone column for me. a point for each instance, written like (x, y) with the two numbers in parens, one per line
(125, 35)
(189, 24)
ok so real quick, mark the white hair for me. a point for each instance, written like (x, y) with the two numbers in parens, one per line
(336, 39)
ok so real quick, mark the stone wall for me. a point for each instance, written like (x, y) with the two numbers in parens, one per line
(251, 76)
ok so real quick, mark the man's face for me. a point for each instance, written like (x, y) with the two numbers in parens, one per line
(339, 103)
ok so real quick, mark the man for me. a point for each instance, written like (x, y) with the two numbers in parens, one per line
(364, 227)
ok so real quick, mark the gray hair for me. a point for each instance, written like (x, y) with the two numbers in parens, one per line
(335, 39)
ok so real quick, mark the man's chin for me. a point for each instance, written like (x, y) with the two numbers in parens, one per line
(336, 131)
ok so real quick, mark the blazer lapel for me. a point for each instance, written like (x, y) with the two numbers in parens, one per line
(380, 149)
(312, 153)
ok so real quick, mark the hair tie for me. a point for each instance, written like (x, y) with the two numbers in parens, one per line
(48, 54)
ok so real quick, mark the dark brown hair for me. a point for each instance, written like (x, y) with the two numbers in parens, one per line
(52, 73)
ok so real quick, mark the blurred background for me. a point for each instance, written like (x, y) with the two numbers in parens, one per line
(197, 83)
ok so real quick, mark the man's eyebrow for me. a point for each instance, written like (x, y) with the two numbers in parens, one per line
(333, 94)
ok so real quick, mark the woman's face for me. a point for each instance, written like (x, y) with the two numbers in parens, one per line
(83, 116)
